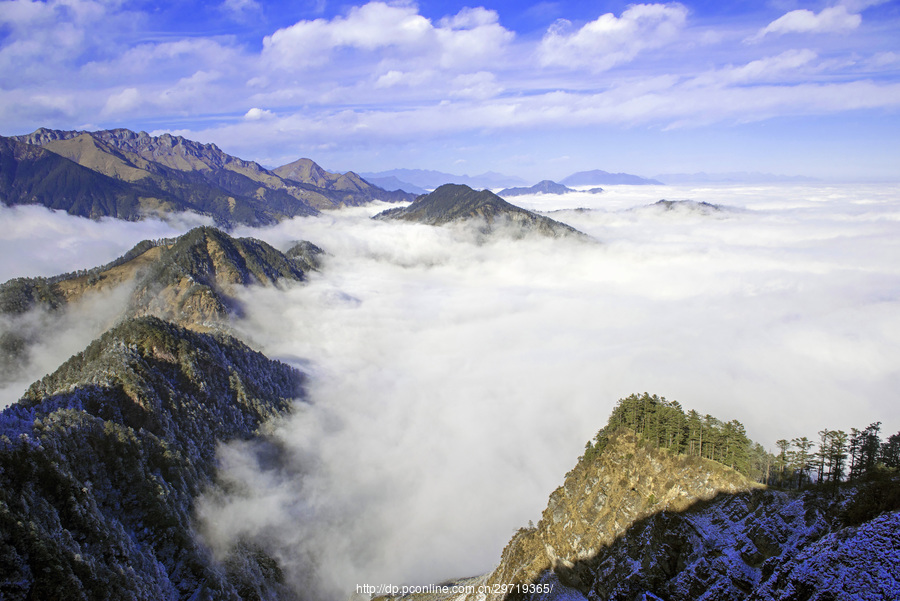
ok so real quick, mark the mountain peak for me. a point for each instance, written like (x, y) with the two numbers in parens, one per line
(457, 203)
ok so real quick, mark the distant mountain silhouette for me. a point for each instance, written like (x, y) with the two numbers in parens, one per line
(393, 183)
(598, 177)
(431, 180)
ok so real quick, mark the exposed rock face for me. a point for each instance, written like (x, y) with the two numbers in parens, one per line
(603, 497)
(455, 203)
(33, 175)
(101, 462)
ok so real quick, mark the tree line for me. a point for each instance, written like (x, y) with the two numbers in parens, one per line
(839, 457)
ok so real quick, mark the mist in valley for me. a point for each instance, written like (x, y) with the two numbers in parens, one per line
(37, 242)
(454, 380)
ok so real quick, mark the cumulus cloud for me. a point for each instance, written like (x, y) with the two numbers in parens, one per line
(610, 40)
(121, 102)
(256, 114)
(397, 31)
(452, 385)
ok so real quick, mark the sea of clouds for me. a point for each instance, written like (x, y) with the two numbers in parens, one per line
(454, 381)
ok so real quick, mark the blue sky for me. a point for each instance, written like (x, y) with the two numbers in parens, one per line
(536, 90)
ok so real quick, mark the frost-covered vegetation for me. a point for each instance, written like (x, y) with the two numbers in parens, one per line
(101, 462)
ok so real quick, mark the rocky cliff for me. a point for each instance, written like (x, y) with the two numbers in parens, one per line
(602, 497)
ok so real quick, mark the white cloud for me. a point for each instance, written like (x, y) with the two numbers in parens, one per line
(453, 385)
(122, 102)
(761, 70)
(44, 39)
(481, 85)
(257, 114)
(240, 10)
(397, 31)
(610, 40)
(834, 19)
(755, 91)
(395, 78)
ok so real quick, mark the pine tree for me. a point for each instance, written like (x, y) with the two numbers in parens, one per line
(802, 457)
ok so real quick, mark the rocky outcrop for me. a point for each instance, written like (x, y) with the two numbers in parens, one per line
(603, 497)
(636, 522)
(455, 203)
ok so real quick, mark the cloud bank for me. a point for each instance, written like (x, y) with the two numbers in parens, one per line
(453, 384)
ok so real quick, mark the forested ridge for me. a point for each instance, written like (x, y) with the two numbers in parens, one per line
(840, 456)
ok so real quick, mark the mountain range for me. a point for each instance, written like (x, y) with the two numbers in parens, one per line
(598, 177)
(418, 180)
(127, 175)
(426, 179)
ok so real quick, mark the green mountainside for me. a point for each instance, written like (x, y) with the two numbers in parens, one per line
(128, 175)
(453, 203)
